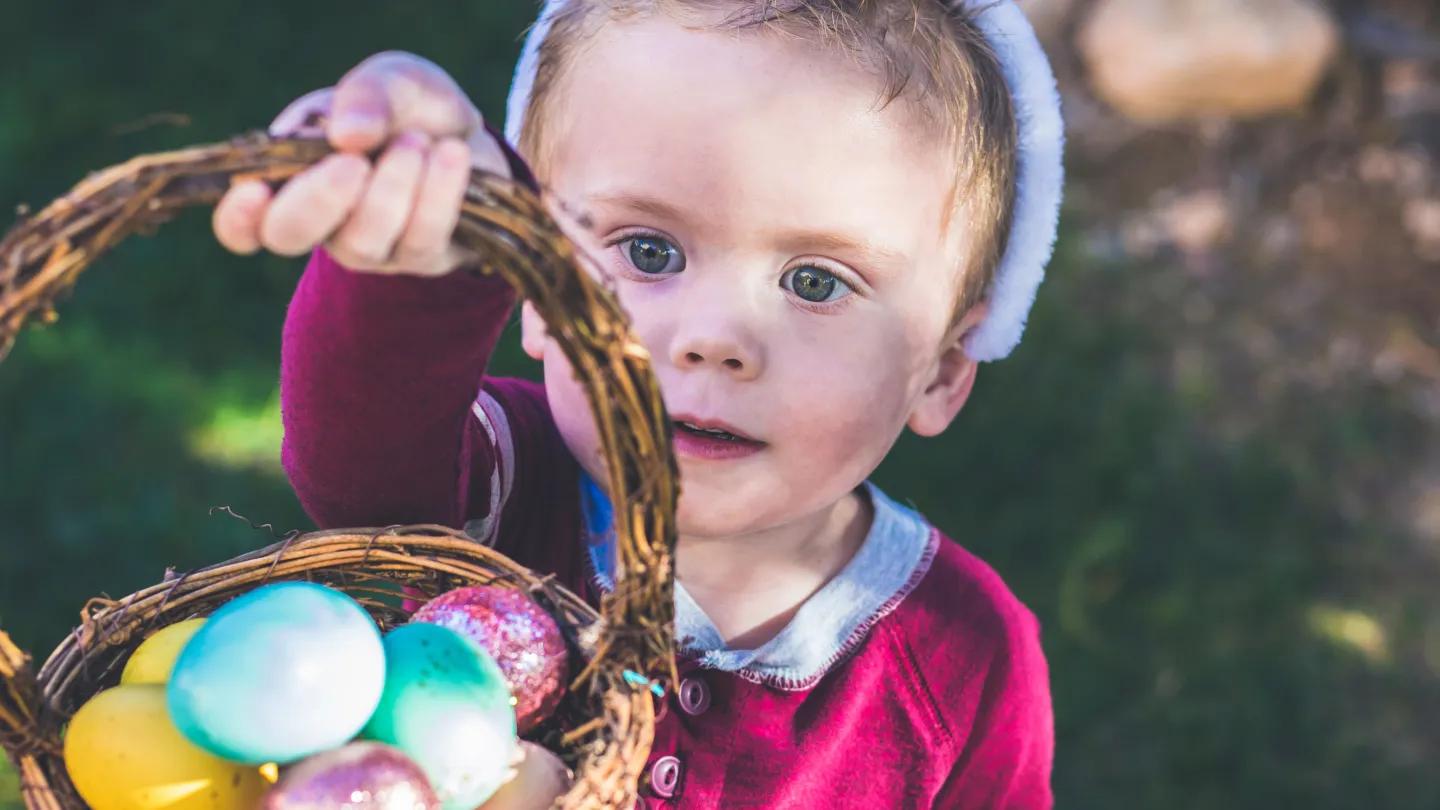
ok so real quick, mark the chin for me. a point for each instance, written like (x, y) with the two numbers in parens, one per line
(710, 509)
(713, 516)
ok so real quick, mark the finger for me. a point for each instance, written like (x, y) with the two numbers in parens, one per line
(312, 205)
(373, 228)
(294, 119)
(437, 206)
(238, 215)
(360, 113)
(392, 92)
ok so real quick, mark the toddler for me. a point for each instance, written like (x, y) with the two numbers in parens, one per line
(821, 215)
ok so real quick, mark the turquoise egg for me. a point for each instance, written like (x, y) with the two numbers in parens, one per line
(447, 707)
(281, 673)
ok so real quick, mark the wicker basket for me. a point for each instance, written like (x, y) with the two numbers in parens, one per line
(621, 655)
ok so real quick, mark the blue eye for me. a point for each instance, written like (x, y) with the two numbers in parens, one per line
(653, 256)
(815, 284)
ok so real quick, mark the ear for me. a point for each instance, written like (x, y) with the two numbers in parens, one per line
(532, 332)
(952, 379)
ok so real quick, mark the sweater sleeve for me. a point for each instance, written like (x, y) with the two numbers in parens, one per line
(1006, 765)
(378, 378)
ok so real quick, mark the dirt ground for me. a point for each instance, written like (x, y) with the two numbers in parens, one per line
(1297, 263)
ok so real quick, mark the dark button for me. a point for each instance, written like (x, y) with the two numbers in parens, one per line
(694, 695)
(665, 777)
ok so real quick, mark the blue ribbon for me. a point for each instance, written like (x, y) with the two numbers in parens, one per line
(636, 679)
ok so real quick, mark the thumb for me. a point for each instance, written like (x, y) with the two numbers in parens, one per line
(300, 117)
(393, 91)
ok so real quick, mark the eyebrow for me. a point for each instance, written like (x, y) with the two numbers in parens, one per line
(642, 204)
(875, 256)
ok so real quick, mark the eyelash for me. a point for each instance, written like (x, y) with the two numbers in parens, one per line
(633, 273)
(823, 306)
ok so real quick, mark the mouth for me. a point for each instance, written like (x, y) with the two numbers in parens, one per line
(712, 430)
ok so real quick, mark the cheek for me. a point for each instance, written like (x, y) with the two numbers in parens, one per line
(852, 389)
(570, 407)
(532, 332)
(851, 411)
(647, 305)
(569, 404)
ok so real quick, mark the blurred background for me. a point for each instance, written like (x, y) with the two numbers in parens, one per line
(1212, 469)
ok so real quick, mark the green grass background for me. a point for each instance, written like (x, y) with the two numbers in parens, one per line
(1221, 633)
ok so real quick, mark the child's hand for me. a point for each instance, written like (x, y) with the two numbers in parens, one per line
(393, 215)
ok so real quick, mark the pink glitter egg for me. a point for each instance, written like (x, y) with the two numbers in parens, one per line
(519, 634)
(357, 776)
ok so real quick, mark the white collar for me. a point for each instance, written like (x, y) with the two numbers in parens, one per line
(894, 557)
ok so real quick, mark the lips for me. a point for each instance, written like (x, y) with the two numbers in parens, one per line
(712, 429)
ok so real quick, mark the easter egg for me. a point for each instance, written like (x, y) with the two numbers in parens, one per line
(154, 659)
(123, 753)
(358, 776)
(446, 706)
(540, 779)
(519, 634)
(283, 672)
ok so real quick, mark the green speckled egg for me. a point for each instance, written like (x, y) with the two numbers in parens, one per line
(447, 707)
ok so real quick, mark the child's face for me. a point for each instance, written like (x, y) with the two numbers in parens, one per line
(779, 244)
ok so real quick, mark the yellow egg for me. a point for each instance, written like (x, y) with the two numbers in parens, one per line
(123, 753)
(153, 660)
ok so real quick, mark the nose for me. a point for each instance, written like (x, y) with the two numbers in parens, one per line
(699, 354)
(712, 341)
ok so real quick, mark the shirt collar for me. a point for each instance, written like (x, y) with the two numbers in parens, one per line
(892, 559)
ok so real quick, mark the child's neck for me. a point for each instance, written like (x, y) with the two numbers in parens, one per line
(750, 586)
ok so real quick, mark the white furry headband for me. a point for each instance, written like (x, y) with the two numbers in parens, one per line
(1040, 176)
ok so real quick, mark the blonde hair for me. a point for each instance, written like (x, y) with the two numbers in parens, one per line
(925, 50)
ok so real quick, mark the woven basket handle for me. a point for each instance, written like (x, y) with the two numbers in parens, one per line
(510, 232)
(19, 697)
